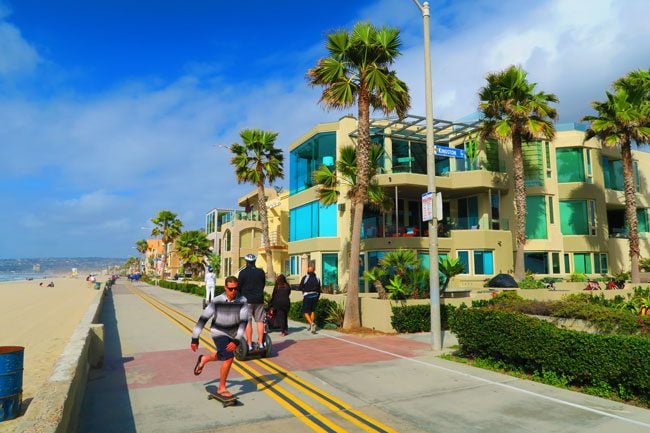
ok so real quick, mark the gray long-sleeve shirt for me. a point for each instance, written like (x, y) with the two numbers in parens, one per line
(228, 317)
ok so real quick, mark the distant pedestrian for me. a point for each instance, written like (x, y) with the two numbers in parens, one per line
(251, 283)
(281, 304)
(51, 284)
(229, 313)
(310, 287)
(210, 282)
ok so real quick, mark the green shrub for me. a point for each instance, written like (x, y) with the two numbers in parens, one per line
(323, 306)
(417, 318)
(536, 346)
(578, 277)
(193, 289)
(529, 282)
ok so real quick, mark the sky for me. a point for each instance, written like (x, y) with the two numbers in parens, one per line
(113, 110)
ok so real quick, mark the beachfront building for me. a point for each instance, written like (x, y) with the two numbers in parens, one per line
(239, 232)
(152, 258)
(575, 204)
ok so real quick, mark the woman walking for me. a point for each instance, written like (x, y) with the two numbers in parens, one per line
(280, 302)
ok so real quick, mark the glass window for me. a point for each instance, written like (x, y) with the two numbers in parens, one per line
(551, 216)
(536, 262)
(442, 166)
(547, 146)
(590, 177)
(596, 263)
(533, 163)
(330, 271)
(401, 157)
(492, 155)
(536, 217)
(494, 209)
(573, 217)
(463, 257)
(642, 220)
(312, 220)
(637, 185)
(418, 157)
(318, 150)
(467, 213)
(227, 239)
(483, 263)
(570, 165)
(424, 260)
(582, 263)
(374, 257)
(567, 267)
(603, 263)
(556, 262)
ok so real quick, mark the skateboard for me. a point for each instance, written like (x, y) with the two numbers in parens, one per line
(230, 401)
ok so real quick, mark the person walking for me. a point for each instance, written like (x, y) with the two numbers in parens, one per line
(210, 282)
(251, 284)
(310, 287)
(229, 313)
(280, 303)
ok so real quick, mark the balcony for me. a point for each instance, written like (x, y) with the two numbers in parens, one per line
(240, 216)
(372, 230)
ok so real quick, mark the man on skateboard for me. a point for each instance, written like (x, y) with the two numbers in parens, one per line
(229, 313)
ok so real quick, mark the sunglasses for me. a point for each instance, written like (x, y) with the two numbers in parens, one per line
(230, 289)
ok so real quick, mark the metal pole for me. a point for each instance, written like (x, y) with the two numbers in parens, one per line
(434, 282)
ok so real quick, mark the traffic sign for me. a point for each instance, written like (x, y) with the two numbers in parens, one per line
(450, 152)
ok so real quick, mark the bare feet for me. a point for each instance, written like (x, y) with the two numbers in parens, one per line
(224, 393)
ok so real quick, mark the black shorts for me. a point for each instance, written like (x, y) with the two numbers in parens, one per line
(309, 303)
(220, 342)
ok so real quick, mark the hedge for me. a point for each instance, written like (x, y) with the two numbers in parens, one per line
(417, 318)
(535, 345)
(194, 289)
(322, 307)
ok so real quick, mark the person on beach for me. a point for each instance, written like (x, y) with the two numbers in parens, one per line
(251, 284)
(229, 313)
(210, 282)
(280, 302)
(310, 287)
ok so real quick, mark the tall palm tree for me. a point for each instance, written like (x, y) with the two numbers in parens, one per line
(142, 246)
(358, 71)
(168, 226)
(620, 120)
(258, 161)
(514, 112)
(193, 248)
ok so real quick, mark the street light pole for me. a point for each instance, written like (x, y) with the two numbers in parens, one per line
(434, 282)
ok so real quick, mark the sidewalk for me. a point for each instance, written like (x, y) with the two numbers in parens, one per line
(147, 384)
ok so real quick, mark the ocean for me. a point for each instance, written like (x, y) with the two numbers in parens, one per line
(47, 267)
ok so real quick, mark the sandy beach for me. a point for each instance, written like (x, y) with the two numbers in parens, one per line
(41, 319)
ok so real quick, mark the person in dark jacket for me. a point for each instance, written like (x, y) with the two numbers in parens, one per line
(251, 286)
(280, 303)
(310, 286)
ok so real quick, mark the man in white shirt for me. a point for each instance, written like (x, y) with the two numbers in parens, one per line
(210, 282)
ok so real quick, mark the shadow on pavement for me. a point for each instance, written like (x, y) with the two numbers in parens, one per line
(107, 406)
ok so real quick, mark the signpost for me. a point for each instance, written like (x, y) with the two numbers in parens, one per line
(427, 206)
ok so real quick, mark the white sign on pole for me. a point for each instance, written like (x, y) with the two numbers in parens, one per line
(427, 206)
(439, 206)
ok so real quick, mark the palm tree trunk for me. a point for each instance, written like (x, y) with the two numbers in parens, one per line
(352, 319)
(381, 291)
(630, 211)
(261, 198)
(520, 204)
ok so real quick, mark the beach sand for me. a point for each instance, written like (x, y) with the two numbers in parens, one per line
(41, 319)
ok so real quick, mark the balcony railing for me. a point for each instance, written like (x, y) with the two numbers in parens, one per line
(624, 234)
(371, 230)
(240, 216)
(443, 167)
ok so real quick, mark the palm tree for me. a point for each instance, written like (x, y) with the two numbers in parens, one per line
(168, 226)
(513, 111)
(358, 71)
(258, 161)
(142, 246)
(623, 118)
(193, 248)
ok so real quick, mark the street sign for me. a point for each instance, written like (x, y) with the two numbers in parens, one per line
(450, 152)
(427, 206)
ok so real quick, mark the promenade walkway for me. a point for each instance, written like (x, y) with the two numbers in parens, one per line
(328, 382)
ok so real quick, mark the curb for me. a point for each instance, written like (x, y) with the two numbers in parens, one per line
(56, 408)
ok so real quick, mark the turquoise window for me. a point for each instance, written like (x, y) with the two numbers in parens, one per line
(642, 220)
(533, 163)
(582, 263)
(492, 155)
(603, 264)
(556, 262)
(313, 153)
(312, 220)
(613, 171)
(536, 262)
(463, 257)
(570, 165)
(567, 267)
(547, 146)
(374, 257)
(574, 219)
(424, 260)
(596, 263)
(467, 213)
(483, 263)
(442, 166)
(536, 217)
(330, 271)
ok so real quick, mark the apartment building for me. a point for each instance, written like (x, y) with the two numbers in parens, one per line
(575, 204)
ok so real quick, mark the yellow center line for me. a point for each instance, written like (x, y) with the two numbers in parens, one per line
(337, 405)
(300, 409)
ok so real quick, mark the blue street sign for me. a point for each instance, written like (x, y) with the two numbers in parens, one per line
(450, 152)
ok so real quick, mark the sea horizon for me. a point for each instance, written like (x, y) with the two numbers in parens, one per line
(49, 267)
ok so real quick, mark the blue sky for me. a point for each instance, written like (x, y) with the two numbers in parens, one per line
(111, 110)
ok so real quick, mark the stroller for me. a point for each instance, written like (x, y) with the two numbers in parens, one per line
(271, 320)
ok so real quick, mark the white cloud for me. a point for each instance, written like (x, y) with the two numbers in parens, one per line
(18, 56)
